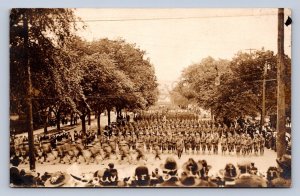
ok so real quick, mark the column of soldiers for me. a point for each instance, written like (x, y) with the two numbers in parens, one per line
(148, 136)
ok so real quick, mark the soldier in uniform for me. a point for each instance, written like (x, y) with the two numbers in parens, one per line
(203, 142)
(230, 142)
(113, 140)
(148, 142)
(249, 144)
(156, 149)
(256, 144)
(262, 142)
(193, 142)
(124, 150)
(198, 142)
(215, 142)
(223, 141)
(237, 144)
(179, 145)
(107, 150)
(173, 141)
(209, 142)
(187, 143)
(164, 142)
(244, 144)
(133, 141)
(140, 153)
(169, 143)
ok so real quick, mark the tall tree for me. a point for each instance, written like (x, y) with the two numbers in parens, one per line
(37, 38)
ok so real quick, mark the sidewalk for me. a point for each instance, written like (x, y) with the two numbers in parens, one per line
(68, 127)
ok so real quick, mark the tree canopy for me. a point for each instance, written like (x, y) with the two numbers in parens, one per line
(234, 88)
(70, 75)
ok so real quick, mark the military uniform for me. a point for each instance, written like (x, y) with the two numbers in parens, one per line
(203, 142)
(179, 146)
(223, 144)
(209, 143)
(215, 143)
(198, 142)
(230, 142)
(237, 144)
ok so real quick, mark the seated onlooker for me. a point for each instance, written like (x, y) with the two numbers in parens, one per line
(284, 179)
(110, 176)
(30, 179)
(156, 178)
(141, 177)
(15, 175)
(60, 179)
(245, 179)
(253, 169)
(229, 175)
(203, 169)
(169, 169)
(190, 175)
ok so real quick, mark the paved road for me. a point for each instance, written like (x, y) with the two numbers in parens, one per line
(125, 169)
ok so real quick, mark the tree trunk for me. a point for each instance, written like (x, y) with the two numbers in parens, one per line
(71, 119)
(89, 118)
(46, 125)
(58, 120)
(108, 117)
(29, 113)
(83, 124)
(98, 123)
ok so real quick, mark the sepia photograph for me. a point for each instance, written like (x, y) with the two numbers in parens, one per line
(152, 98)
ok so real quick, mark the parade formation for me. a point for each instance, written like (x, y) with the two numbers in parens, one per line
(156, 137)
(145, 140)
(112, 111)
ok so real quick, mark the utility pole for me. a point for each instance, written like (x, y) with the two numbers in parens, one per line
(281, 116)
(29, 118)
(263, 108)
(250, 50)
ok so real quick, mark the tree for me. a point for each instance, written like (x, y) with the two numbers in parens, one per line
(49, 59)
(37, 38)
(240, 90)
(137, 72)
(103, 83)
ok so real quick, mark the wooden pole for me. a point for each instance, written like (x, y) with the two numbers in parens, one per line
(281, 116)
(29, 117)
(263, 108)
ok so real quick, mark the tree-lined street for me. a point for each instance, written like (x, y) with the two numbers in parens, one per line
(91, 104)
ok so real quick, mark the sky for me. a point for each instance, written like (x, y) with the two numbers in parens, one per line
(176, 38)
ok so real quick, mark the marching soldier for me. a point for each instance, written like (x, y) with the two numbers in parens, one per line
(148, 142)
(238, 144)
(256, 144)
(230, 143)
(156, 149)
(261, 144)
(209, 143)
(179, 146)
(203, 142)
(215, 143)
(198, 142)
(124, 150)
(223, 141)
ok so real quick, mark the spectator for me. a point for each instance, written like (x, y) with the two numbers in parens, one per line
(60, 179)
(15, 176)
(141, 177)
(284, 179)
(170, 175)
(245, 179)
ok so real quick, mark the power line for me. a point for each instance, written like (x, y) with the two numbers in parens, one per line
(173, 18)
